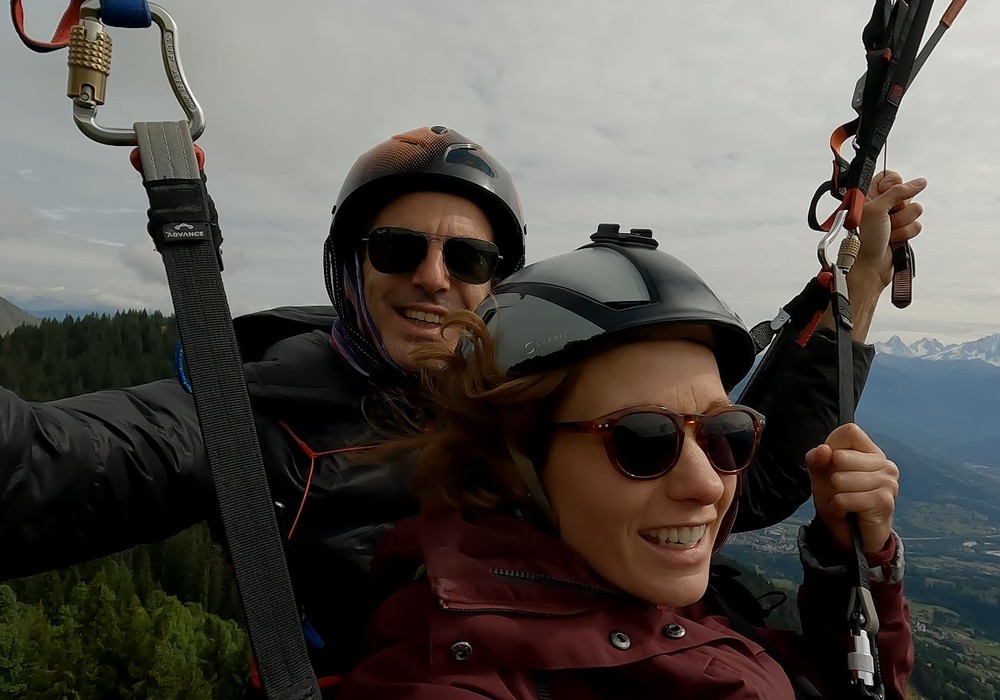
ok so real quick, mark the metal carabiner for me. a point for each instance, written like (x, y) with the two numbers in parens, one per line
(90, 64)
(826, 241)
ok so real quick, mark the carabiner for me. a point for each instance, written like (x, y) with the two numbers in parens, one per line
(90, 63)
(824, 243)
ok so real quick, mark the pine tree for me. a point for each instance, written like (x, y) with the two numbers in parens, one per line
(106, 628)
(13, 647)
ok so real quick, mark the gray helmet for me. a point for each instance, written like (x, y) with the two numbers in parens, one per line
(618, 286)
(434, 159)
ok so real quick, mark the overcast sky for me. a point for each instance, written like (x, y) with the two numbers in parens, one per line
(707, 122)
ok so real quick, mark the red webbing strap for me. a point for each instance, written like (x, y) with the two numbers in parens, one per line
(854, 203)
(854, 199)
(837, 140)
(60, 38)
(825, 279)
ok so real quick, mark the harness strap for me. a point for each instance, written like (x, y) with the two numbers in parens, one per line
(134, 14)
(60, 37)
(180, 225)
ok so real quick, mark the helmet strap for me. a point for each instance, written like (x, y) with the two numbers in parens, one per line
(354, 334)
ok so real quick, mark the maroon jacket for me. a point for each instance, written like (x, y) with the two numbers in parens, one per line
(508, 612)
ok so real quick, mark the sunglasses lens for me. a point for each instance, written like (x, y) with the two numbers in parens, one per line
(394, 251)
(645, 444)
(471, 260)
(730, 440)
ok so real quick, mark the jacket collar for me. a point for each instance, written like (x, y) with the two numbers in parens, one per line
(496, 562)
(505, 568)
(306, 368)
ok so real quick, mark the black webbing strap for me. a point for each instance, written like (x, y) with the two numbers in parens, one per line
(180, 226)
(863, 662)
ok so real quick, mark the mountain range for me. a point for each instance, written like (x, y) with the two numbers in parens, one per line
(940, 399)
(11, 317)
(944, 399)
(986, 349)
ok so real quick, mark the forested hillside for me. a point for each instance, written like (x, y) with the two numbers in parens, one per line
(158, 621)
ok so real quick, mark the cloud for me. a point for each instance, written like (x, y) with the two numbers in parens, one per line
(88, 239)
(17, 221)
(141, 257)
(707, 122)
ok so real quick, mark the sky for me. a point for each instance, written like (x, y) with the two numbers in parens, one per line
(707, 122)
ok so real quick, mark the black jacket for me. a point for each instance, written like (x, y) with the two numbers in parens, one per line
(87, 476)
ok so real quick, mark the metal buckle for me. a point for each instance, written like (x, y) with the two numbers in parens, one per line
(90, 65)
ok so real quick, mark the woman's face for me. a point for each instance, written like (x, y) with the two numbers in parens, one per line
(617, 524)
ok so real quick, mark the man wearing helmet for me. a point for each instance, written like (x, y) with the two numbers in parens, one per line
(424, 223)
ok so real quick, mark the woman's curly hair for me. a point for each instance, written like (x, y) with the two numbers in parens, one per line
(473, 413)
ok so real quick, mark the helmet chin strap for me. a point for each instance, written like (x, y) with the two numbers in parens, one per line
(530, 477)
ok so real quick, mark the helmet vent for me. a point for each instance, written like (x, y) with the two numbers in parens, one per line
(465, 155)
(618, 305)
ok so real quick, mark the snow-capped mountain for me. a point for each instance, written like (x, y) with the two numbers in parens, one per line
(986, 349)
(896, 347)
(925, 347)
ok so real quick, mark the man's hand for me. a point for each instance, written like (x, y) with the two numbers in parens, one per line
(850, 474)
(890, 216)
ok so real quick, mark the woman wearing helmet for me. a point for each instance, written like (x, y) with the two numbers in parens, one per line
(583, 466)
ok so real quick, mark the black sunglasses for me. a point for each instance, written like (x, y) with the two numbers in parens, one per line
(395, 251)
(645, 442)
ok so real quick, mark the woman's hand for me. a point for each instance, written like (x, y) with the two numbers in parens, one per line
(850, 474)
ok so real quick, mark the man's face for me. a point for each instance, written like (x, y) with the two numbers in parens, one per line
(407, 308)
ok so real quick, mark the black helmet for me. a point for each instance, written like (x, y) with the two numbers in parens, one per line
(426, 159)
(561, 309)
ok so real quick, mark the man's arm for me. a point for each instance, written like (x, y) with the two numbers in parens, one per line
(801, 402)
(95, 474)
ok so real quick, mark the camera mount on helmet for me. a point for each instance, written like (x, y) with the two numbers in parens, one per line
(612, 233)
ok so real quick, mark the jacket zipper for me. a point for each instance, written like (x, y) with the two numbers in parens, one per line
(528, 576)
(506, 611)
(531, 576)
